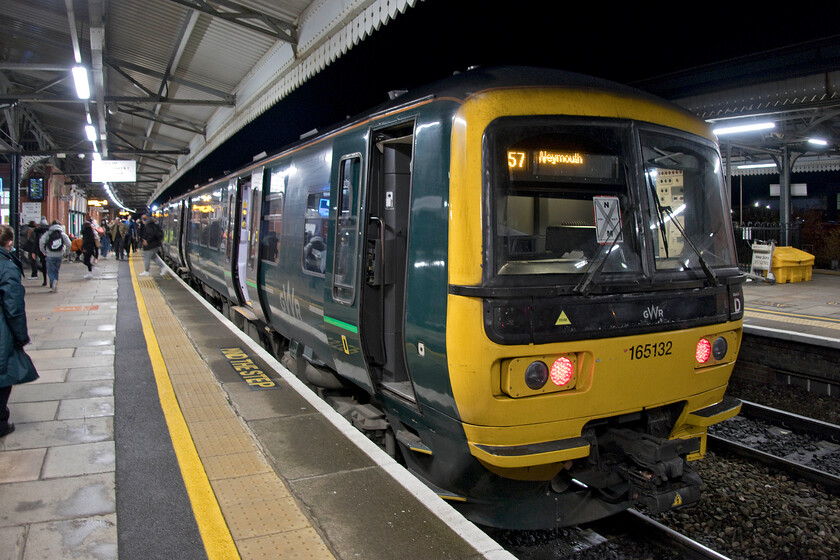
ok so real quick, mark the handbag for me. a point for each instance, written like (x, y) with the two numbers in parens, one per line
(20, 368)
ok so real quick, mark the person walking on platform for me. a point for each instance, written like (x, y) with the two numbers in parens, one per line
(151, 239)
(52, 244)
(88, 246)
(131, 237)
(105, 239)
(118, 231)
(135, 234)
(27, 246)
(15, 365)
(76, 248)
(40, 257)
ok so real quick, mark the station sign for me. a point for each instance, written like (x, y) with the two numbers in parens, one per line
(113, 171)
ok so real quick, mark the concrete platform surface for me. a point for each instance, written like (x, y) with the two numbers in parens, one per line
(140, 440)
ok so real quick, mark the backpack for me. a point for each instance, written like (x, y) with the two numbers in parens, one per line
(55, 241)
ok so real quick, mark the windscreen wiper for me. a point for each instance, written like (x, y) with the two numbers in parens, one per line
(585, 285)
(658, 212)
(710, 274)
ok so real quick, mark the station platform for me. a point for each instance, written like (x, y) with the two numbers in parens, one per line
(159, 430)
(807, 312)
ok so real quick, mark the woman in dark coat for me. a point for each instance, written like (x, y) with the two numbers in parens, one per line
(15, 366)
(88, 246)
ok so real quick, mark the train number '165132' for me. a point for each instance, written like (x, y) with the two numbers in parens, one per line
(652, 350)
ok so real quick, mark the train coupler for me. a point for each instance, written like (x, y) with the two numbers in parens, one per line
(658, 475)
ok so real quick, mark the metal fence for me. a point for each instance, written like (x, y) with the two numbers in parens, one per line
(751, 232)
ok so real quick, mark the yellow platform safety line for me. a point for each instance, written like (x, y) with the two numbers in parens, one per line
(793, 318)
(218, 542)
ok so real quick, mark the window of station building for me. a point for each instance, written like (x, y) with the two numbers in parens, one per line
(315, 231)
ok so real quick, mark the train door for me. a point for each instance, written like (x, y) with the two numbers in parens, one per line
(246, 234)
(382, 305)
(253, 243)
(341, 295)
(241, 240)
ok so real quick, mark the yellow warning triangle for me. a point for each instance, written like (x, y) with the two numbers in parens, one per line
(562, 319)
(677, 500)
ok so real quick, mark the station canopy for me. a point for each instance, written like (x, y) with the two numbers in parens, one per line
(169, 80)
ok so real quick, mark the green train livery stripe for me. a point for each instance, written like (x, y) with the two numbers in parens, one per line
(341, 324)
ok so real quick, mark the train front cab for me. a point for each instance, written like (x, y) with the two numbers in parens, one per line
(591, 272)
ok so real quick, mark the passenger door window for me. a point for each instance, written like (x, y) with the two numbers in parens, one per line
(346, 229)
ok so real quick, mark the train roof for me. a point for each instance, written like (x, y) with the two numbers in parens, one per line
(461, 86)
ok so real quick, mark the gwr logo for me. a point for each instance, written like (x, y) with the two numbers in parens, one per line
(653, 313)
(289, 304)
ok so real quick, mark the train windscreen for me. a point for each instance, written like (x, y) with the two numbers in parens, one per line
(561, 197)
(687, 213)
(569, 197)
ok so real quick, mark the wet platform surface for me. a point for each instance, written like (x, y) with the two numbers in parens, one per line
(147, 437)
(807, 312)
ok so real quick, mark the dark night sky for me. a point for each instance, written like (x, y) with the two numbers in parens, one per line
(623, 43)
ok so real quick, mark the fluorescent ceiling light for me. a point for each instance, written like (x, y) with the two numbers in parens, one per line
(91, 133)
(80, 77)
(817, 141)
(757, 166)
(743, 128)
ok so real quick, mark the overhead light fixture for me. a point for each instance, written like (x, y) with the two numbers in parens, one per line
(817, 142)
(80, 78)
(743, 128)
(757, 166)
(91, 132)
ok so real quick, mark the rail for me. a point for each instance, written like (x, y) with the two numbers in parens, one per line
(794, 422)
(673, 540)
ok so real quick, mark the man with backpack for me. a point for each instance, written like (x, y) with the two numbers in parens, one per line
(52, 245)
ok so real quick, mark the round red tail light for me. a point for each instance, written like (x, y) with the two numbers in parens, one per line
(561, 371)
(704, 350)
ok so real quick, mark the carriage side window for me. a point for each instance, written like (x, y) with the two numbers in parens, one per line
(315, 231)
(198, 221)
(346, 230)
(216, 220)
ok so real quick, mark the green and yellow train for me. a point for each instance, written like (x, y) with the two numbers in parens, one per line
(522, 282)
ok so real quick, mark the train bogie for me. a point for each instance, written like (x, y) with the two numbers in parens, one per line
(529, 274)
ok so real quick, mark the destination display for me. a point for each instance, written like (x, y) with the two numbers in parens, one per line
(544, 164)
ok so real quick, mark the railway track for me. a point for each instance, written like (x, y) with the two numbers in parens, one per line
(629, 535)
(673, 541)
(759, 432)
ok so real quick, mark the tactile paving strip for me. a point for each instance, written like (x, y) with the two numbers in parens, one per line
(264, 520)
(794, 319)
